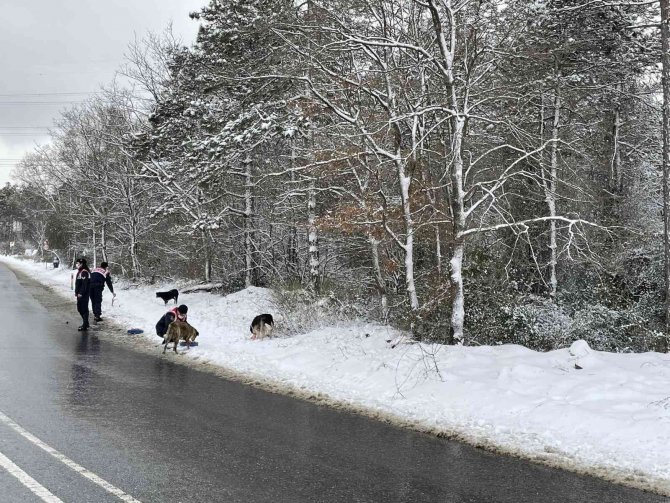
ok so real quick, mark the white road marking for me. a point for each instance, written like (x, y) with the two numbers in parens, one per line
(27, 480)
(68, 462)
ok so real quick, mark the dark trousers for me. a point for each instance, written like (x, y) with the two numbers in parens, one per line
(96, 300)
(82, 307)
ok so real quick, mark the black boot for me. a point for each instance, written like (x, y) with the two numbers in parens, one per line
(97, 318)
(82, 328)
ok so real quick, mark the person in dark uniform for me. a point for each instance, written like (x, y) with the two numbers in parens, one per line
(176, 313)
(99, 277)
(82, 291)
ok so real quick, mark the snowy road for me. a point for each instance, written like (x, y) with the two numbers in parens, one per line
(84, 419)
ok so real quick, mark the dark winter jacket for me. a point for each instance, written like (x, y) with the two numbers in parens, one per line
(99, 277)
(166, 319)
(83, 282)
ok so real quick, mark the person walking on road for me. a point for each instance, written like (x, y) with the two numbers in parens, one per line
(82, 291)
(99, 277)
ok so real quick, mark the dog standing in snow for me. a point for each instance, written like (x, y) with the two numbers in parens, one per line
(169, 295)
(179, 330)
(262, 326)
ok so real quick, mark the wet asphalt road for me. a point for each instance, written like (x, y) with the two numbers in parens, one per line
(162, 432)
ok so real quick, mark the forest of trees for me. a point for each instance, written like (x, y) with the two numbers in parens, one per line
(475, 171)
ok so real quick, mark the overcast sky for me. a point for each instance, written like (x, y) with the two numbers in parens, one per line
(55, 52)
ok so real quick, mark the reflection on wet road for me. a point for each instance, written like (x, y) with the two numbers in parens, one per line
(159, 431)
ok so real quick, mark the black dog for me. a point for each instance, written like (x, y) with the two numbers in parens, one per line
(172, 294)
(262, 326)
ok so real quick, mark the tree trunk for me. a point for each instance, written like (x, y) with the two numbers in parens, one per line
(312, 237)
(550, 191)
(615, 163)
(379, 278)
(95, 252)
(458, 213)
(208, 256)
(248, 214)
(404, 174)
(408, 247)
(133, 244)
(292, 255)
(438, 251)
(665, 40)
(103, 243)
(133, 257)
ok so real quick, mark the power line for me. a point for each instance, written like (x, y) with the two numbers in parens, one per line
(46, 94)
(70, 102)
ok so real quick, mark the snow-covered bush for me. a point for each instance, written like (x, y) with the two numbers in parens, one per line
(304, 311)
(528, 320)
(432, 323)
(538, 324)
(615, 330)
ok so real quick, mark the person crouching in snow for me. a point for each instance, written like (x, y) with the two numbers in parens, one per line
(99, 277)
(174, 314)
(82, 291)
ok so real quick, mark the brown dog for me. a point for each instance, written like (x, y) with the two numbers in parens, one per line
(179, 330)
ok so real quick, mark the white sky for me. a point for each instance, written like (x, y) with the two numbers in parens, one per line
(57, 52)
(610, 417)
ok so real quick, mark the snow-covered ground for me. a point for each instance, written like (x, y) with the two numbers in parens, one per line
(610, 417)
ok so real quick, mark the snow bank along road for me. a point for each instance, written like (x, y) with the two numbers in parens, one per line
(505, 396)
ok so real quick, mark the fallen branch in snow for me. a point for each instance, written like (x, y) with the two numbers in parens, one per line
(664, 403)
(201, 288)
